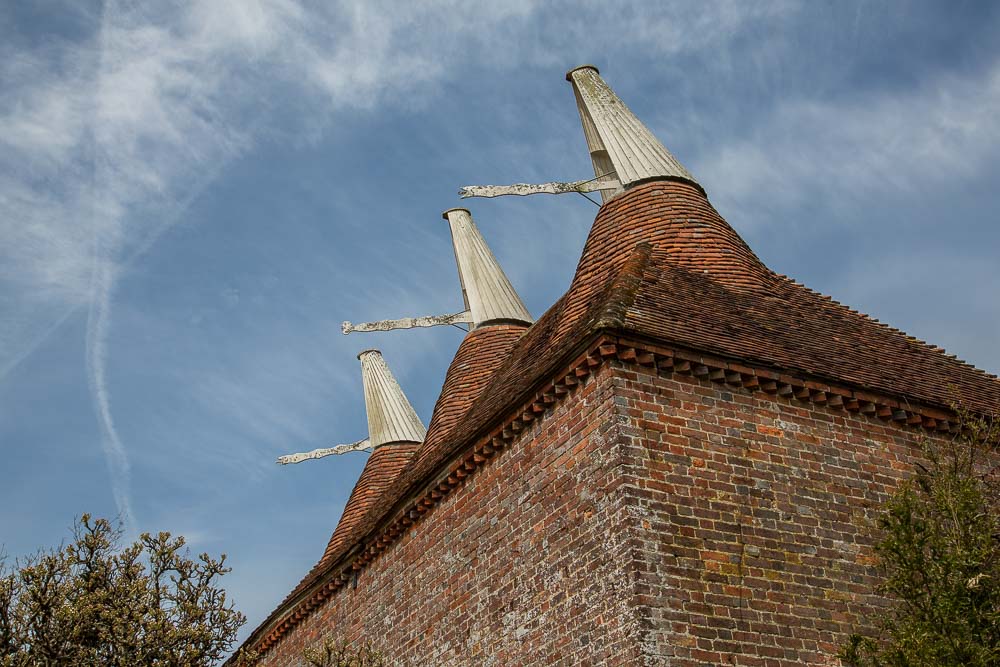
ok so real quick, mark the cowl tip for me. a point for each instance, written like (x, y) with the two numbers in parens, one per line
(569, 74)
(453, 210)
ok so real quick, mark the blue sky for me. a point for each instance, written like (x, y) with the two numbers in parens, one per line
(194, 196)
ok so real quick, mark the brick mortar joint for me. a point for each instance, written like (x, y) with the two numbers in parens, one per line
(635, 563)
(458, 469)
(606, 347)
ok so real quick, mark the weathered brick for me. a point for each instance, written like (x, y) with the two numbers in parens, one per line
(541, 552)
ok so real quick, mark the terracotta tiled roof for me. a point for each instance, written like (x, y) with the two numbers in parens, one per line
(380, 471)
(477, 359)
(661, 264)
(719, 298)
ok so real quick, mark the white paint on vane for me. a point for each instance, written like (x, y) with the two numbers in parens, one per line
(359, 446)
(391, 418)
(408, 322)
(555, 188)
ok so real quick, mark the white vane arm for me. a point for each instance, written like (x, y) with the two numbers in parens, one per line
(522, 189)
(407, 322)
(359, 446)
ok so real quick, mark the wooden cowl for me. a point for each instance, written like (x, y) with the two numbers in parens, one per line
(487, 291)
(475, 363)
(391, 418)
(618, 141)
(396, 433)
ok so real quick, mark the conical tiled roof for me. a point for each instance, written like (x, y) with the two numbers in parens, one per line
(380, 471)
(477, 359)
(661, 265)
(685, 226)
(396, 433)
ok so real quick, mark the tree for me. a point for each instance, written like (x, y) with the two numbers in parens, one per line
(938, 550)
(334, 653)
(93, 602)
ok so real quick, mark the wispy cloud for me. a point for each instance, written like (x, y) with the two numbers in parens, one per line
(106, 141)
(940, 132)
(98, 322)
(103, 137)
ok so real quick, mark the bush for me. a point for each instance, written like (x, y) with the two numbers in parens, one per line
(93, 602)
(938, 549)
(334, 653)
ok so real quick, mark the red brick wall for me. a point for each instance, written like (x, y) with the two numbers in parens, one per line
(749, 505)
(648, 519)
(527, 563)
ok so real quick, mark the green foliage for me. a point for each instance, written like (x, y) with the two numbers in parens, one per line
(938, 549)
(93, 602)
(339, 653)
(244, 657)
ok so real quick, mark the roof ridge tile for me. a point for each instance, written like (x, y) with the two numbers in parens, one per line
(930, 346)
